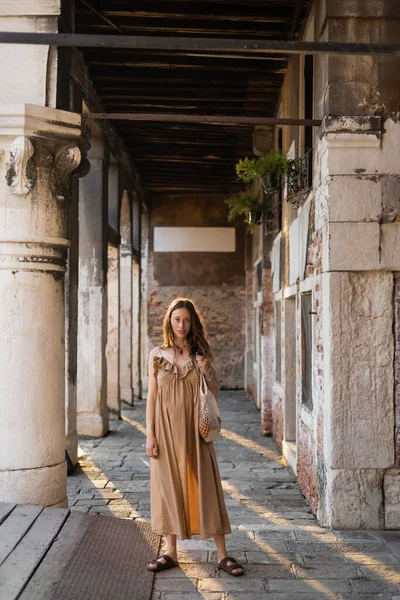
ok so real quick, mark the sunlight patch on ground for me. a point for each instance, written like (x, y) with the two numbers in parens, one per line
(258, 448)
(134, 424)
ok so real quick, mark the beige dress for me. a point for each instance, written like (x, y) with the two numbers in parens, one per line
(186, 491)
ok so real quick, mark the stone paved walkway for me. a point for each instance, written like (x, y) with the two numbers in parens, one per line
(286, 555)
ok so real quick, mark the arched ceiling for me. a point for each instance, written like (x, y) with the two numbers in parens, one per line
(186, 157)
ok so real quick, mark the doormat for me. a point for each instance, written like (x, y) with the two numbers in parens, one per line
(110, 562)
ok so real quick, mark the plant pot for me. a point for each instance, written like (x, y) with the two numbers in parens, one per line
(255, 217)
(270, 187)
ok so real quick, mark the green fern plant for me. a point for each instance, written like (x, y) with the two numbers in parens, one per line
(271, 168)
(242, 203)
(246, 203)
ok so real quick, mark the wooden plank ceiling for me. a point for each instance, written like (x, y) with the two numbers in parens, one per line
(174, 157)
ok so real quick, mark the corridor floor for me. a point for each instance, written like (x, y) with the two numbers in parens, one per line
(287, 556)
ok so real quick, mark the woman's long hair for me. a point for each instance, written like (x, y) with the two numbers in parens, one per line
(197, 338)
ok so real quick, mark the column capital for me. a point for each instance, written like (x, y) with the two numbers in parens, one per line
(31, 120)
(41, 148)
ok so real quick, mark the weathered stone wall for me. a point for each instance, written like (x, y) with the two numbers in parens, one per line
(215, 281)
(348, 441)
(277, 417)
(397, 367)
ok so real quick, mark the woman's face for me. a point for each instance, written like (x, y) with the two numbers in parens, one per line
(181, 322)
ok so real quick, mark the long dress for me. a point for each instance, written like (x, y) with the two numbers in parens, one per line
(186, 491)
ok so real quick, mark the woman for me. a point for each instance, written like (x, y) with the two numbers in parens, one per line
(186, 491)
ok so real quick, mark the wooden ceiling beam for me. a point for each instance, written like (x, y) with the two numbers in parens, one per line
(202, 43)
(215, 119)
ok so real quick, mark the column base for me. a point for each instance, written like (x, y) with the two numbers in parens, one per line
(46, 486)
(127, 395)
(353, 499)
(92, 424)
(392, 498)
(72, 447)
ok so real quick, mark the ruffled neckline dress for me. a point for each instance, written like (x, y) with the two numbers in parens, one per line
(186, 491)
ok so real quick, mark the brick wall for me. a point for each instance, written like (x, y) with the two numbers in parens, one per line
(267, 352)
(307, 465)
(215, 281)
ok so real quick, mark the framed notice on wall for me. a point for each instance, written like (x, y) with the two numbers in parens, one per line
(194, 239)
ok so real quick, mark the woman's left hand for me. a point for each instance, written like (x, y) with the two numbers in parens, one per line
(202, 363)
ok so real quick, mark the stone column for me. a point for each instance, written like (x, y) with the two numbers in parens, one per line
(71, 327)
(92, 296)
(125, 258)
(112, 350)
(136, 387)
(144, 295)
(38, 153)
(113, 345)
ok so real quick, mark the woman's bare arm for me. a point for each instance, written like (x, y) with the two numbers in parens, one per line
(212, 379)
(209, 372)
(151, 441)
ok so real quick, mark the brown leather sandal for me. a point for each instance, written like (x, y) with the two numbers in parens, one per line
(160, 566)
(223, 565)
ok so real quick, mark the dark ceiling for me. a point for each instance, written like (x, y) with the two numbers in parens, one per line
(176, 157)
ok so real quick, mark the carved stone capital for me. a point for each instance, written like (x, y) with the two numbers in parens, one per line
(20, 168)
(65, 162)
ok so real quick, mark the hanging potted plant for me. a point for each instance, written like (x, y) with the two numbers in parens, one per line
(247, 203)
(270, 168)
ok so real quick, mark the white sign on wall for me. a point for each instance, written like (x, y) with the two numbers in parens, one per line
(194, 239)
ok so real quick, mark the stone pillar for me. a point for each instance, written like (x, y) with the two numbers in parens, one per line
(125, 258)
(144, 295)
(356, 206)
(38, 153)
(113, 346)
(136, 388)
(360, 251)
(71, 327)
(112, 351)
(92, 296)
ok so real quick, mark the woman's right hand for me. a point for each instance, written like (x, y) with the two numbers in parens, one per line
(151, 446)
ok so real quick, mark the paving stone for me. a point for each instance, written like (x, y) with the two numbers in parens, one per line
(192, 596)
(178, 584)
(230, 584)
(353, 536)
(274, 534)
(378, 558)
(333, 571)
(339, 547)
(321, 586)
(313, 559)
(285, 596)
(84, 509)
(386, 572)
(265, 558)
(93, 502)
(373, 586)
(323, 538)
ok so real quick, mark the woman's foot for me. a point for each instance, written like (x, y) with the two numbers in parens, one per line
(230, 566)
(163, 562)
